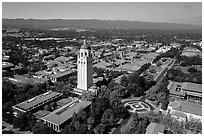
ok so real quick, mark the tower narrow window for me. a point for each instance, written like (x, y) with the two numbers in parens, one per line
(82, 54)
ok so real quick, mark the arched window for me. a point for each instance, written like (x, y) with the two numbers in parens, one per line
(85, 53)
(82, 54)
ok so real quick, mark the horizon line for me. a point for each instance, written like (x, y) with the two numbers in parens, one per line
(200, 25)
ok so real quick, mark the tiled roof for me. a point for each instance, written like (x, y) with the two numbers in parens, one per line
(37, 100)
(65, 112)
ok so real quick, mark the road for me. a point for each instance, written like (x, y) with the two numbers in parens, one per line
(164, 71)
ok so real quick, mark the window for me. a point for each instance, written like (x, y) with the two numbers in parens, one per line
(178, 88)
(85, 53)
(82, 54)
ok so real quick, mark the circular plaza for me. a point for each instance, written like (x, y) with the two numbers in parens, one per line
(137, 106)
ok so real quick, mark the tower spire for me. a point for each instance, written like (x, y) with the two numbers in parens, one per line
(84, 41)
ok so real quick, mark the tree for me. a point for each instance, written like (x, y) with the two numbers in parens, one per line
(83, 129)
(192, 70)
(91, 122)
(107, 116)
(194, 125)
(121, 112)
(100, 129)
(8, 90)
(136, 79)
(115, 103)
(21, 122)
(34, 91)
(69, 129)
(77, 125)
(41, 128)
(47, 107)
(59, 87)
(53, 105)
(165, 103)
(7, 111)
(138, 92)
(124, 81)
(82, 115)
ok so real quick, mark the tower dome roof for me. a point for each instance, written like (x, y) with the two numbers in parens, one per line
(85, 46)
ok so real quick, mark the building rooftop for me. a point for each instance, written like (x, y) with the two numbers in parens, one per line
(154, 128)
(61, 74)
(27, 80)
(37, 100)
(85, 46)
(62, 59)
(192, 87)
(172, 88)
(41, 113)
(191, 49)
(102, 64)
(64, 101)
(184, 106)
(65, 112)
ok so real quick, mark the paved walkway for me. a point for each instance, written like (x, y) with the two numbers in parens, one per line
(142, 99)
(124, 121)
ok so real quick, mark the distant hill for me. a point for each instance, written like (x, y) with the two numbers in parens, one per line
(92, 24)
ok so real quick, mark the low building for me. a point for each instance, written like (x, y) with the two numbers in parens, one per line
(154, 128)
(7, 65)
(25, 79)
(185, 90)
(191, 52)
(60, 75)
(191, 110)
(59, 118)
(36, 103)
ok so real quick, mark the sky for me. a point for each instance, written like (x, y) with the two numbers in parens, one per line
(171, 12)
